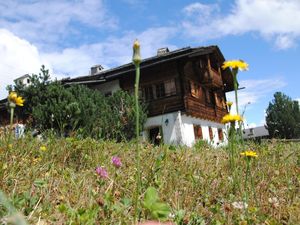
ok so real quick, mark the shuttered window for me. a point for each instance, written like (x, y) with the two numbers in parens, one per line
(160, 90)
(210, 133)
(148, 93)
(198, 132)
(220, 134)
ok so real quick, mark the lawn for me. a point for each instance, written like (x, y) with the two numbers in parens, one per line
(55, 182)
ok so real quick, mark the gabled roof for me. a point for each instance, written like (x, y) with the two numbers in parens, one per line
(260, 131)
(22, 77)
(187, 52)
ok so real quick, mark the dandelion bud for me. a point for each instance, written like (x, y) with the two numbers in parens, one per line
(136, 58)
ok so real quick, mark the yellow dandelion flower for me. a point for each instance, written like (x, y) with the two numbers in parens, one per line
(15, 99)
(249, 154)
(10, 146)
(20, 101)
(12, 96)
(235, 64)
(43, 148)
(231, 118)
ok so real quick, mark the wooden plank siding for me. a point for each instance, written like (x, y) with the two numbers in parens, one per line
(203, 100)
(154, 76)
(165, 105)
(204, 111)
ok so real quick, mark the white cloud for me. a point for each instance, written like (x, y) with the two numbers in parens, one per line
(112, 52)
(285, 41)
(18, 57)
(276, 20)
(254, 91)
(201, 10)
(52, 21)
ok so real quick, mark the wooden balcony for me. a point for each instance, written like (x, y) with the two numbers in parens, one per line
(202, 110)
(213, 79)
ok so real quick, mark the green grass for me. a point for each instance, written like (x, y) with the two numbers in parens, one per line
(60, 186)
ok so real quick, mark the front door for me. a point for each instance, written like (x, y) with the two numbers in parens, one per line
(155, 135)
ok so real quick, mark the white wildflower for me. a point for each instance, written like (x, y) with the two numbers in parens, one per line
(240, 205)
(274, 202)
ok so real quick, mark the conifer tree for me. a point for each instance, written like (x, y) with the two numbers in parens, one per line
(283, 117)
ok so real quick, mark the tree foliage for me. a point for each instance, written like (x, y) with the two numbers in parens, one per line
(283, 117)
(77, 109)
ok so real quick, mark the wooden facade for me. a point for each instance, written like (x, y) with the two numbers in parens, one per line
(189, 80)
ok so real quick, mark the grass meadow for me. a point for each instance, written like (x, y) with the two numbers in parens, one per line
(54, 182)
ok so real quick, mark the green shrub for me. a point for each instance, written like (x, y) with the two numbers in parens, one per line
(77, 110)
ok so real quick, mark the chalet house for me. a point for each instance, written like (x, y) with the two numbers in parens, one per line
(183, 89)
(23, 80)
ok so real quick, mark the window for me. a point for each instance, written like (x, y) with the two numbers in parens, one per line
(251, 132)
(219, 100)
(220, 134)
(210, 97)
(170, 87)
(148, 93)
(210, 133)
(160, 90)
(195, 89)
(198, 132)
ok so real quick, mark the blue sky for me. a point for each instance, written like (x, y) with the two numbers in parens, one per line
(71, 36)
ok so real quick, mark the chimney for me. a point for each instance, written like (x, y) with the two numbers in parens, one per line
(96, 69)
(162, 51)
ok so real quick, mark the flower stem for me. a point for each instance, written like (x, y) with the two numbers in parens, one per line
(137, 130)
(12, 110)
(246, 182)
(235, 83)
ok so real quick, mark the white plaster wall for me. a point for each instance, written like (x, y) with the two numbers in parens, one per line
(111, 86)
(188, 133)
(188, 130)
(180, 129)
(24, 81)
(170, 135)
